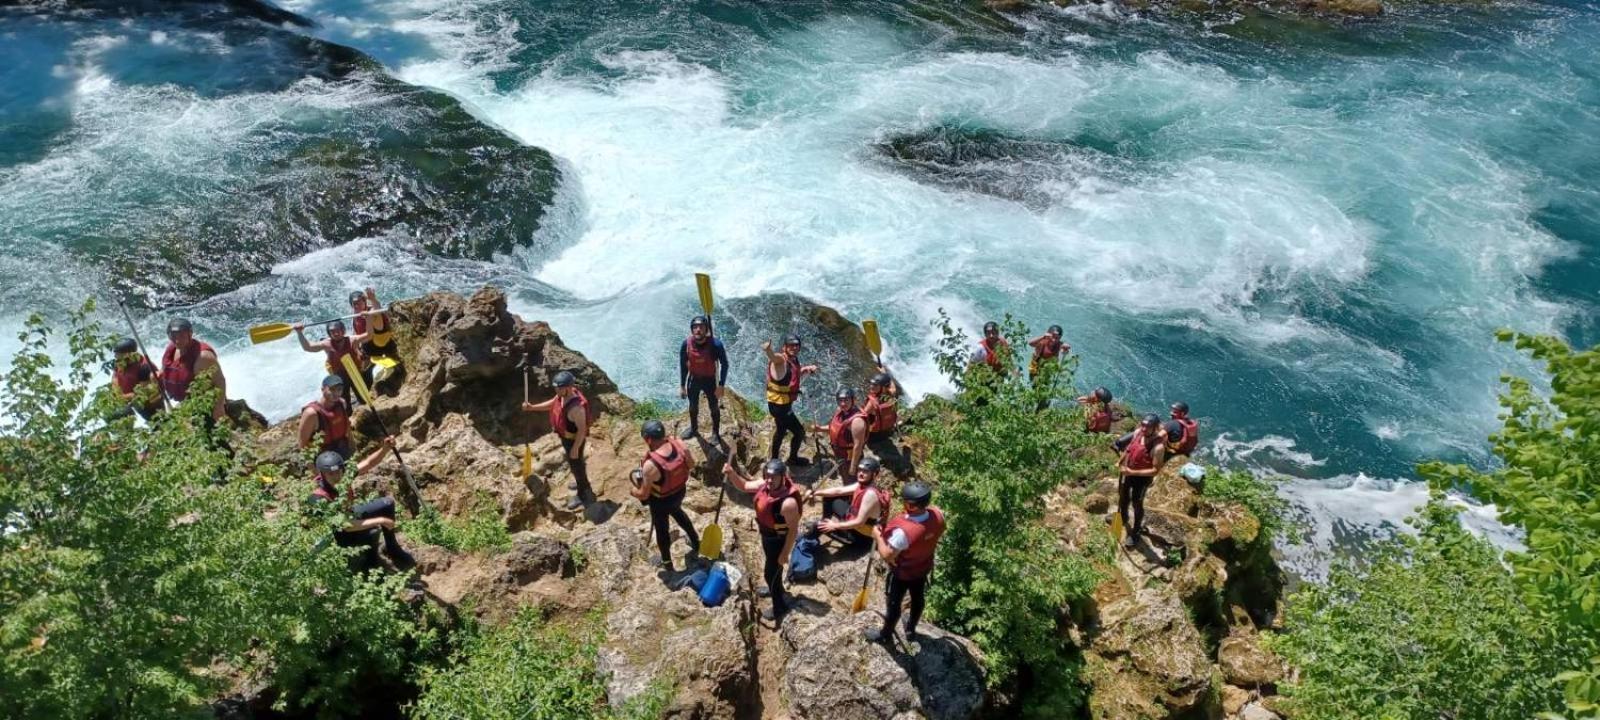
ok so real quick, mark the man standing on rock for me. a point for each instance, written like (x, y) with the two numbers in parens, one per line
(373, 515)
(908, 543)
(847, 433)
(569, 418)
(1141, 460)
(850, 512)
(882, 411)
(665, 470)
(702, 370)
(1047, 351)
(993, 350)
(135, 381)
(335, 347)
(329, 415)
(777, 503)
(186, 360)
(784, 373)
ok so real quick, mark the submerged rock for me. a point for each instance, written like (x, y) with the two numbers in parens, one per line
(1031, 171)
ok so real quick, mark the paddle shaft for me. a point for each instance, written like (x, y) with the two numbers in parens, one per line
(140, 344)
(354, 374)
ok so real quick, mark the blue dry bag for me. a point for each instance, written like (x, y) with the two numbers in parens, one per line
(715, 589)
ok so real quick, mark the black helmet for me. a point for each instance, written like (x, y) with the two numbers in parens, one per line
(565, 379)
(916, 492)
(698, 321)
(357, 295)
(991, 325)
(1054, 330)
(1150, 420)
(1102, 394)
(333, 381)
(1174, 428)
(653, 430)
(1180, 407)
(774, 467)
(845, 393)
(330, 461)
(125, 346)
(179, 324)
(335, 325)
(791, 340)
(869, 464)
(881, 380)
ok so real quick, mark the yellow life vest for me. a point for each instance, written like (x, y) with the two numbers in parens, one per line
(782, 391)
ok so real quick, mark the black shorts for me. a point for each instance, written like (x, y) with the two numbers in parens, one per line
(1137, 482)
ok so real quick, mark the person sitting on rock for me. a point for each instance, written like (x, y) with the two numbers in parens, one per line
(569, 418)
(328, 415)
(850, 512)
(784, 373)
(1137, 469)
(664, 476)
(847, 433)
(908, 544)
(336, 347)
(135, 380)
(702, 370)
(367, 520)
(187, 359)
(1191, 429)
(777, 503)
(1047, 351)
(1100, 415)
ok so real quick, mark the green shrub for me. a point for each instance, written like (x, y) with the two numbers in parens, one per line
(1002, 576)
(141, 574)
(528, 669)
(650, 410)
(481, 529)
(1431, 627)
(1258, 495)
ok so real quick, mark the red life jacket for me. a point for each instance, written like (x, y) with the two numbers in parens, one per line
(1138, 455)
(1047, 351)
(322, 489)
(563, 425)
(769, 508)
(1100, 419)
(883, 413)
(674, 467)
(337, 349)
(861, 492)
(1191, 436)
(702, 358)
(839, 432)
(334, 422)
(991, 353)
(177, 372)
(916, 561)
(129, 377)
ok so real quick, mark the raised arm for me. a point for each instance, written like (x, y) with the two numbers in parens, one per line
(376, 456)
(737, 478)
(306, 345)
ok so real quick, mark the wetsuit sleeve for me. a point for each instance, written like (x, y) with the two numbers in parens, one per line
(683, 364)
(722, 357)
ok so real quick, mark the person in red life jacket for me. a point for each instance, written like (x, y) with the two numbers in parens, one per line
(1173, 438)
(1140, 462)
(569, 418)
(993, 350)
(335, 347)
(665, 472)
(186, 360)
(135, 380)
(1047, 351)
(328, 416)
(777, 501)
(1191, 429)
(907, 544)
(367, 520)
(847, 433)
(850, 512)
(882, 410)
(370, 328)
(1100, 415)
(784, 373)
(702, 370)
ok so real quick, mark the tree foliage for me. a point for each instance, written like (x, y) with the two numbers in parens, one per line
(141, 574)
(1003, 577)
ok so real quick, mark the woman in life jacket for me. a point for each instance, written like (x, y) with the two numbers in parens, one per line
(993, 351)
(784, 373)
(336, 347)
(329, 417)
(371, 329)
(777, 501)
(1100, 416)
(1140, 462)
(664, 480)
(1047, 351)
(850, 511)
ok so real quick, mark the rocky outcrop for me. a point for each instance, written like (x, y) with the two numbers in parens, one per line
(834, 673)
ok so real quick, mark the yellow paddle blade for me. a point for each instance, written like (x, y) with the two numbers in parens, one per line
(874, 343)
(711, 543)
(1116, 527)
(702, 283)
(527, 461)
(269, 332)
(860, 603)
(354, 373)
